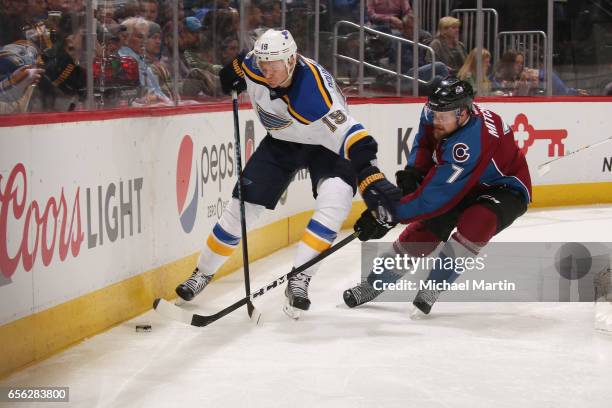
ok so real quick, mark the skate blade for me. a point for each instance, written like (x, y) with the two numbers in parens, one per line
(291, 311)
(416, 314)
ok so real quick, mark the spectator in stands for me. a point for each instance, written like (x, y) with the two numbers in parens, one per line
(467, 72)
(153, 58)
(36, 10)
(193, 48)
(447, 46)
(271, 13)
(201, 72)
(254, 26)
(165, 11)
(137, 29)
(11, 21)
(65, 6)
(63, 83)
(425, 70)
(513, 78)
(387, 15)
(509, 78)
(168, 47)
(123, 11)
(230, 48)
(345, 10)
(112, 37)
(194, 81)
(221, 24)
(149, 10)
(18, 74)
(105, 13)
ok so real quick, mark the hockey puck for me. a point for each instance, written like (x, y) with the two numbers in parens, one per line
(143, 328)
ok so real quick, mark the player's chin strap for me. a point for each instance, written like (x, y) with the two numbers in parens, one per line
(458, 116)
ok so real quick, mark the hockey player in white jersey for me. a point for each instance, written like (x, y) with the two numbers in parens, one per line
(308, 126)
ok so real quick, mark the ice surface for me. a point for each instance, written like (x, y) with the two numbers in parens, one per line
(465, 355)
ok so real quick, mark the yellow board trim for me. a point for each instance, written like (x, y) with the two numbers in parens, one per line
(218, 247)
(315, 243)
(557, 195)
(38, 336)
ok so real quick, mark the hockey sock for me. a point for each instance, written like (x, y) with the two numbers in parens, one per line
(416, 240)
(450, 263)
(475, 227)
(333, 204)
(225, 236)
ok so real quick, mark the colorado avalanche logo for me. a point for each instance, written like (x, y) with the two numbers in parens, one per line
(271, 121)
(186, 185)
(460, 152)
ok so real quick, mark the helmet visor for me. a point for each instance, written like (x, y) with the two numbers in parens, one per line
(445, 117)
(271, 66)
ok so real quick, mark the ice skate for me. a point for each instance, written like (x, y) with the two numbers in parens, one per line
(423, 302)
(297, 296)
(360, 294)
(194, 285)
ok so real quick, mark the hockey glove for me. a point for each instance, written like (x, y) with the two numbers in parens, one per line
(232, 76)
(408, 180)
(379, 194)
(369, 227)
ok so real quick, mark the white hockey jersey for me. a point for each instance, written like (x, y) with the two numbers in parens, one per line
(311, 111)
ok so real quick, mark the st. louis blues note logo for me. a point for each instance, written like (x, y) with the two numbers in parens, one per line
(272, 122)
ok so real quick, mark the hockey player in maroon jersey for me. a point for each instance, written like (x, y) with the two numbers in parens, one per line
(464, 171)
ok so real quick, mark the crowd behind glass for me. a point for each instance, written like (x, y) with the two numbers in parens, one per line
(43, 43)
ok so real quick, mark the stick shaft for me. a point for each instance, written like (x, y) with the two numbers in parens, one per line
(245, 245)
(576, 151)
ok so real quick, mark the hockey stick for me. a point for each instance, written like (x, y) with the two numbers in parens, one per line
(245, 246)
(545, 167)
(174, 312)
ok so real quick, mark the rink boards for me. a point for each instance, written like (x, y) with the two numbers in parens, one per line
(102, 213)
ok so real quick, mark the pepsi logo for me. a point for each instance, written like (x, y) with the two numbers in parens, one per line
(186, 184)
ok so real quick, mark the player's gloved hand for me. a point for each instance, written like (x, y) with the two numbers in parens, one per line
(379, 194)
(232, 76)
(408, 180)
(370, 227)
